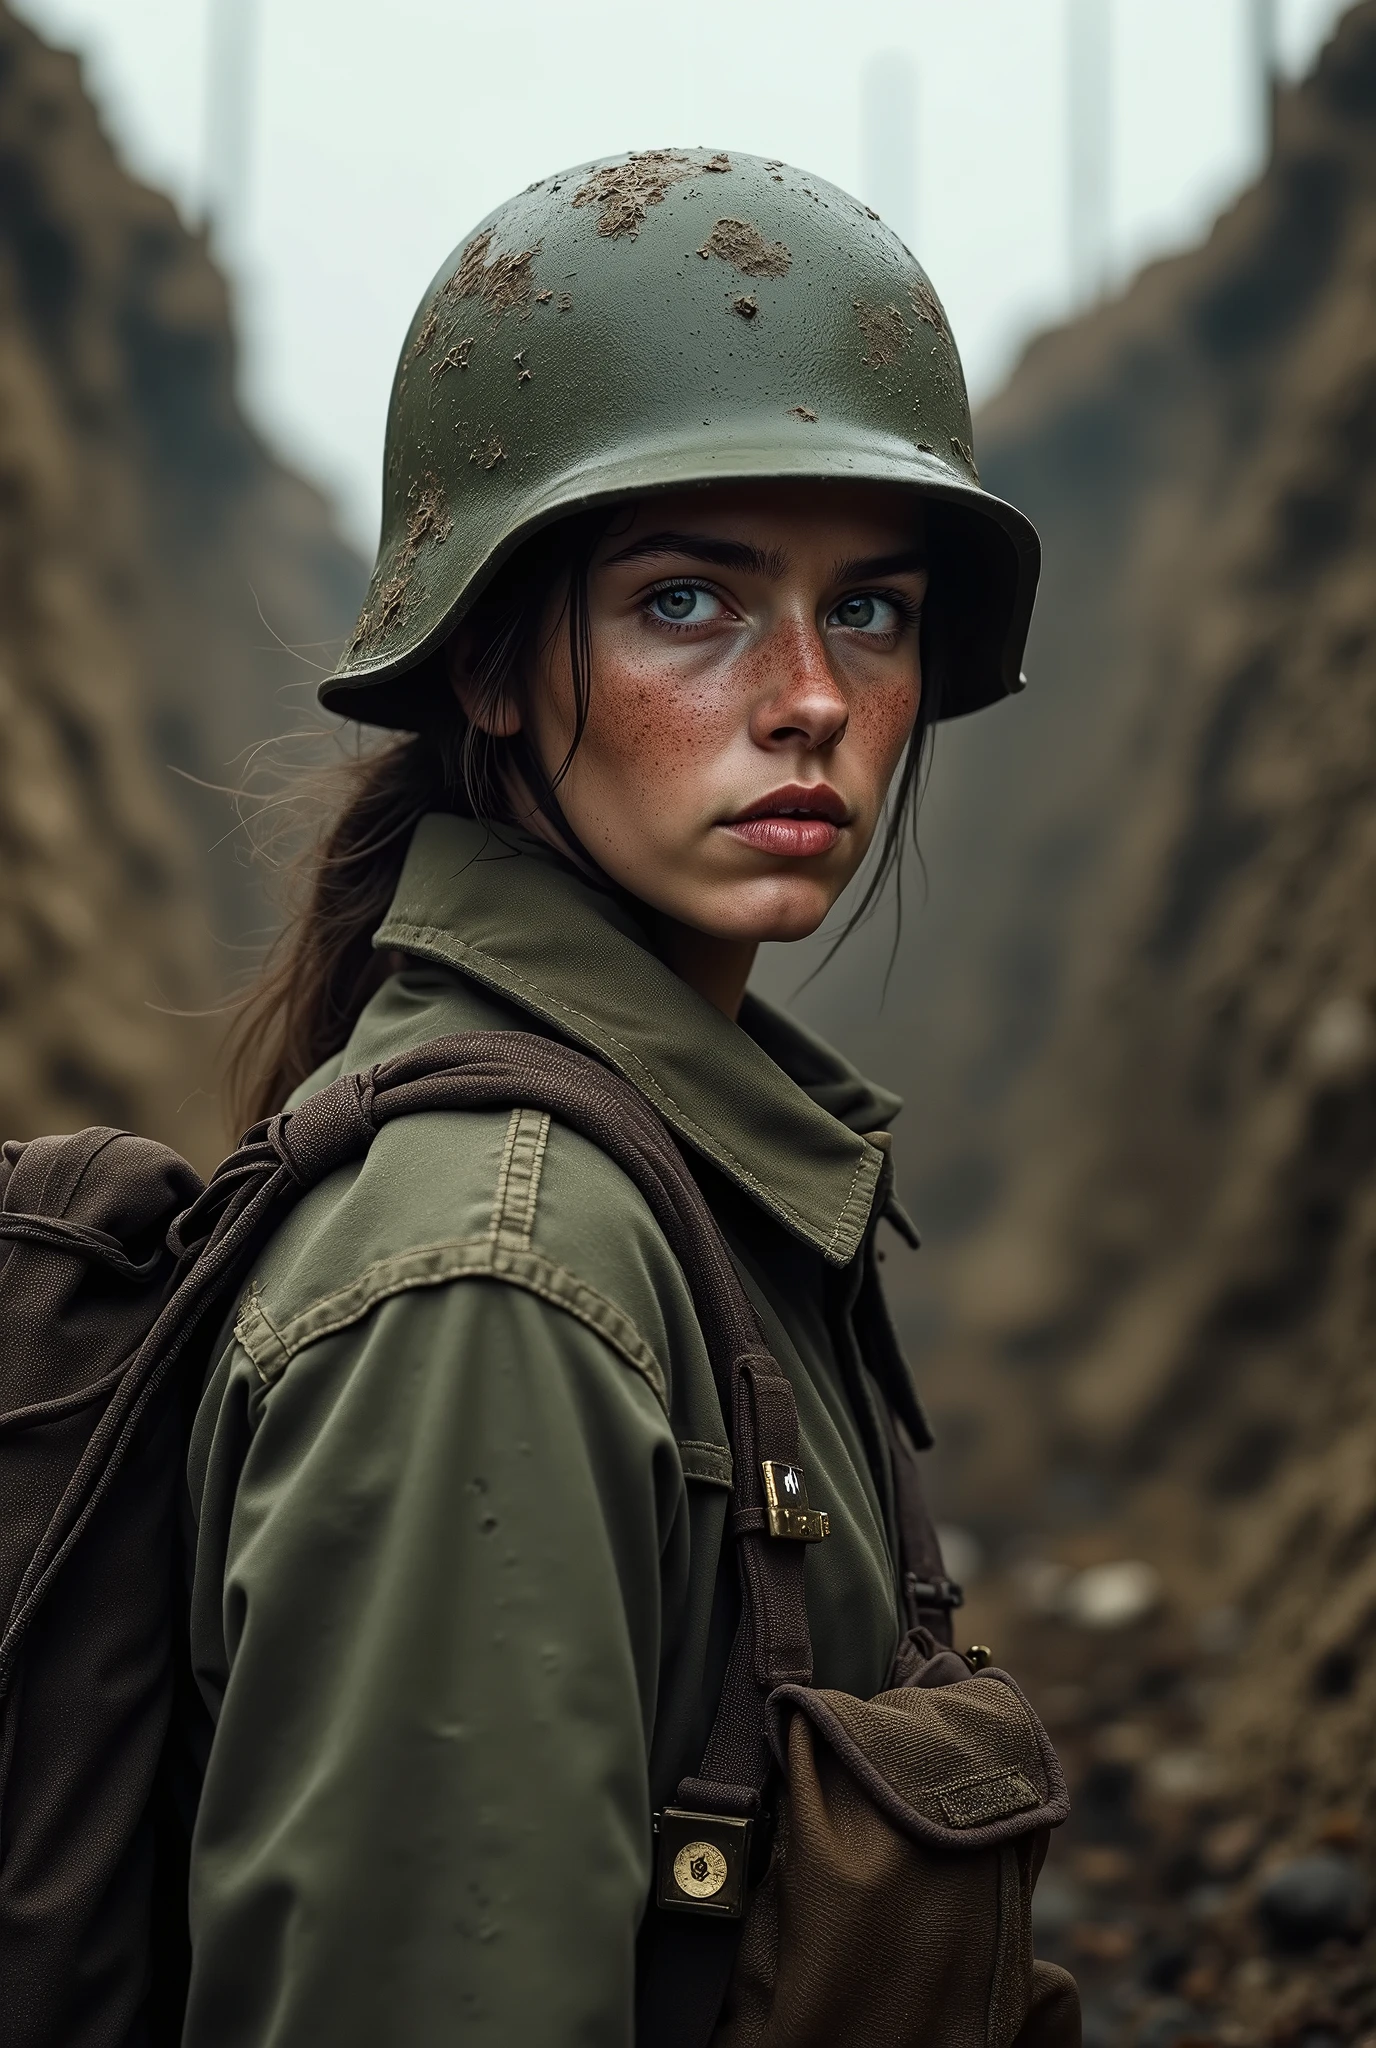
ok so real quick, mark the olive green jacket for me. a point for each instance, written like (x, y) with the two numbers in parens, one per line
(460, 1608)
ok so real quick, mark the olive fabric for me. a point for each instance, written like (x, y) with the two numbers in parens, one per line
(462, 1592)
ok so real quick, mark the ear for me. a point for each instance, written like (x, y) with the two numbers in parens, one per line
(497, 716)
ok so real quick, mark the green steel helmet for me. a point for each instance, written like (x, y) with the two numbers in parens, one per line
(663, 320)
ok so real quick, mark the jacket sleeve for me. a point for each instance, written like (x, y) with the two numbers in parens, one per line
(434, 1622)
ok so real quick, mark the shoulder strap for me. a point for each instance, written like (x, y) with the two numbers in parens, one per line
(689, 1959)
(216, 1237)
(929, 1596)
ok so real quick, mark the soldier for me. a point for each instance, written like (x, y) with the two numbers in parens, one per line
(683, 554)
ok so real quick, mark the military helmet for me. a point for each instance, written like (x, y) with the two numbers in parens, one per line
(667, 319)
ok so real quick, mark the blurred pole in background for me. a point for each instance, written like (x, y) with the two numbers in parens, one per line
(1090, 157)
(231, 51)
(888, 141)
(1264, 53)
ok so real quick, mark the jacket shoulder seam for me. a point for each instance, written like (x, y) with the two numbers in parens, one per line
(518, 1178)
(272, 1347)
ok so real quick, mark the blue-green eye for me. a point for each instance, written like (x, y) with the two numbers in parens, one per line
(684, 604)
(865, 614)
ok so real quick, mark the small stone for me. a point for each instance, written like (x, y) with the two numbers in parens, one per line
(1057, 1904)
(1112, 1596)
(1341, 1830)
(1220, 1631)
(1316, 1898)
(1184, 1776)
(1039, 1583)
(963, 1553)
(1103, 1942)
(1103, 1867)
(1340, 1044)
(1230, 1845)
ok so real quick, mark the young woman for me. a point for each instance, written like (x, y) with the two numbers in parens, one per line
(684, 551)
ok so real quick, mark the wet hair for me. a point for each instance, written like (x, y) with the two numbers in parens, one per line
(323, 968)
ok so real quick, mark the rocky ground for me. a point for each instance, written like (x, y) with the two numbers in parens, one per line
(1149, 1349)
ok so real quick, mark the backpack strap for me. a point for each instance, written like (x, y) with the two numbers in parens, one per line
(929, 1596)
(216, 1237)
(213, 1242)
(689, 1958)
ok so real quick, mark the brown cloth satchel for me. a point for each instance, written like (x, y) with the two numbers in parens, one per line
(892, 1903)
(897, 1903)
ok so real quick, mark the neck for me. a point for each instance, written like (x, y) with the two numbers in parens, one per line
(717, 968)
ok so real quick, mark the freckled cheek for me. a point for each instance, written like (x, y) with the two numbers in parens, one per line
(881, 718)
(646, 728)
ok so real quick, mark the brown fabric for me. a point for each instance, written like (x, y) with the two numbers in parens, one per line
(114, 1261)
(897, 1903)
(1053, 2017)
(870, 1926)
(928, 1594)
(959, 1766)
(82, 1734)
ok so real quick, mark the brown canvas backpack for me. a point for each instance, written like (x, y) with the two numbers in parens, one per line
(840, 1872)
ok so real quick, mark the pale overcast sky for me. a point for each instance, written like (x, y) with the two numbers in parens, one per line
(383, 129)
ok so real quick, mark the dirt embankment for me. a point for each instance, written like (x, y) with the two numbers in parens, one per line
(1152, 1361)
(142, 525)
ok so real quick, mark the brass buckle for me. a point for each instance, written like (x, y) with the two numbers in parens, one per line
(785, 1493)
(703, 1858)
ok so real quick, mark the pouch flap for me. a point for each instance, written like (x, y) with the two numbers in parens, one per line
(958, 1766)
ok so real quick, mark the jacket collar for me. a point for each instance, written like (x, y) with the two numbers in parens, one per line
(771, 1105)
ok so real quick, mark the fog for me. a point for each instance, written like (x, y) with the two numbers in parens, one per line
(374, 137)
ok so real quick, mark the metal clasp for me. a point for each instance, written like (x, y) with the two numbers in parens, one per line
(933, 1592)
(704, 1859)
(785, 1493)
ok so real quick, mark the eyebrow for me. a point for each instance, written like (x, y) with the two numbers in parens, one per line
(768, 562)
(705, 547)
(906, 561)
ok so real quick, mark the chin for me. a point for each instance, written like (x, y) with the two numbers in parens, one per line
(775, 914)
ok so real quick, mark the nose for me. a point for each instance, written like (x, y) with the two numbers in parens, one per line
(798, 700)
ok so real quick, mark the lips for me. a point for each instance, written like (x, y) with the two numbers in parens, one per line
(798, 821)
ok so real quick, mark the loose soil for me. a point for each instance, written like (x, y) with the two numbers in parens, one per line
(153, 559)
(1137, 1031)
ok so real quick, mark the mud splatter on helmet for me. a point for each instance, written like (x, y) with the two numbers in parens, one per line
(670, 319)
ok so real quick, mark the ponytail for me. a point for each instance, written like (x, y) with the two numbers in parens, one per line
(323, 967)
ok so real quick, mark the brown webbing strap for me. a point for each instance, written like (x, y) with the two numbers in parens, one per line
(216, 1238)
(929, 1596)
(772, 1646)
(247, 1197)
(773, 1637)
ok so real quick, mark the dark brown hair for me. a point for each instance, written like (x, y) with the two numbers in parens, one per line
(323, 968)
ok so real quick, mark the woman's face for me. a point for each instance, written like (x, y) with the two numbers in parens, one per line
(754, 679)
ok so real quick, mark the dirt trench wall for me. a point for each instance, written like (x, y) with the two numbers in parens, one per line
(142, 526)
(1154, 1340)
(1189, 1151)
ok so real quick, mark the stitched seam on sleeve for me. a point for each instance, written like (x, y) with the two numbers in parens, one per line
(435, 1266)
(513, 1123)
(518, 1180)
(255, 1330)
